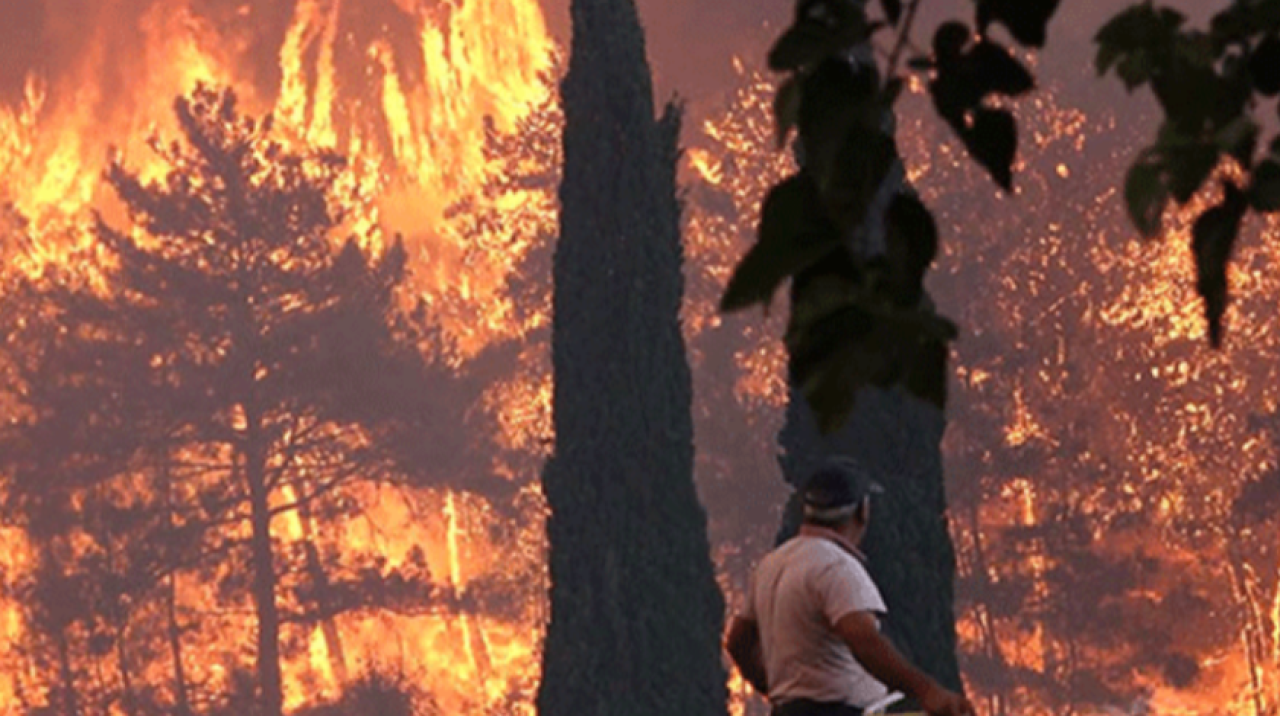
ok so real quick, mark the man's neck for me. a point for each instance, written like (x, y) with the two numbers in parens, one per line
(808, 530)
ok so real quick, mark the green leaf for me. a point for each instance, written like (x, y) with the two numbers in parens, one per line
(850, 182)
(1027, 20)
(822, 29)
(927, 372)
(911, 238)
(1187, 168)
(892, 91)
(996, 71)
(786, 109)
(992, 139)
(794, 233)
(852, 347)
(1214, 236)
(1146, 194)
(1137, 41)
(1239, 139)
(950, 40)
(1264, 191)
(920, 63)
(834, 97)
(1264, 66)
(892, 10)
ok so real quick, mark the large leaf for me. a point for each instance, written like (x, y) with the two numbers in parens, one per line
(892, 10)
(852, 180)
(794, 233)
(992, 139)
(852, 347)
(822, 29)
(927, 372)
(1239, 139)
(912, 244)
(835, 96)
(1264, 66)
(1146, 194)
(1136, 42)
(1187, 166)
(1264, 192)
(996, 71)
(1027, 20)
(1214, 236)
(786, 109)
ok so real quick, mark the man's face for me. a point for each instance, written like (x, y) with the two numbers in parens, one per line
(856, 528)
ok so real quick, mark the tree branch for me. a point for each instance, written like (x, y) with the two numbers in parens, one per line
(904, 38)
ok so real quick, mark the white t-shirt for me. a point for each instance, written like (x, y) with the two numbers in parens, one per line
(797, 594)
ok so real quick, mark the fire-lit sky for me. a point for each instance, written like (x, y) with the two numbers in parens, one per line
(1050, 289)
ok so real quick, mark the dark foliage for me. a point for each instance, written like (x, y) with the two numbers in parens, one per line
(859, 313)
(1210, 85)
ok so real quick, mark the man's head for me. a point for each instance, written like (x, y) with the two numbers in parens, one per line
(838, 496)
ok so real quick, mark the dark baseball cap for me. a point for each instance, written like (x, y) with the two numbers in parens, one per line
(838, 485)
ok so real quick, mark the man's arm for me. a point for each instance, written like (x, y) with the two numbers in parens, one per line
(860, 631)
(743, 645)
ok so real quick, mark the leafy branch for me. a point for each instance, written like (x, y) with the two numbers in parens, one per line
(1210, 85)
(859, 313)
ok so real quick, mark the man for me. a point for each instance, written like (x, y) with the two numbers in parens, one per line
(809, 636)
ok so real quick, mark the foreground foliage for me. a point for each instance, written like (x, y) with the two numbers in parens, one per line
(856, 248)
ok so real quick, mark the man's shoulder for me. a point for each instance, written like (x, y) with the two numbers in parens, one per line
(813, 551)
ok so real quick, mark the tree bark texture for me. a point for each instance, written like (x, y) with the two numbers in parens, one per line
(271, 691)
(908, 546)
(636, 615)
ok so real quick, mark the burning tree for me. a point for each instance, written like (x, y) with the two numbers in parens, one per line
(230, 368)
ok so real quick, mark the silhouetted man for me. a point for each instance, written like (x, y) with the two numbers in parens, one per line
(809, 636)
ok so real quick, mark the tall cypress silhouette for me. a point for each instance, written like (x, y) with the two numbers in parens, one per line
(636, 615)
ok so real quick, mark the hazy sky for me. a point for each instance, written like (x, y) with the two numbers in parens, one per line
(692, 42)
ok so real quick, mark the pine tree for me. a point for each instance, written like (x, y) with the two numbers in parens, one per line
(234, 351)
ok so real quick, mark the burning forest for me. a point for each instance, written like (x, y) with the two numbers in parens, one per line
(351, 382)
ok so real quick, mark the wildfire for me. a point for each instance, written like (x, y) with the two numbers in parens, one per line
(414, 94)
(1110, 476)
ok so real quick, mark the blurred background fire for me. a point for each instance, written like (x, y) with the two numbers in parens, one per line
(1114, 485)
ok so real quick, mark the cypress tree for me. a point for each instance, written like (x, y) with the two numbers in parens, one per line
(636, 616)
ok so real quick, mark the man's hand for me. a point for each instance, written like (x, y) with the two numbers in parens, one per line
(937, 701)
(861, 632)
(743, 645)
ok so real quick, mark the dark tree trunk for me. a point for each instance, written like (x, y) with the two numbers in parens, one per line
(181, 696)
(67, 673)
(912, 558)
(323, 594)
(908, 545)
(181, 693)
(636, 615)
(264, 575)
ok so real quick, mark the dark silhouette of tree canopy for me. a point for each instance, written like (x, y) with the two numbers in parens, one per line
(232, 363)
(857, 317)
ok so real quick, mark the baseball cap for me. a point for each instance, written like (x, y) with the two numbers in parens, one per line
(836, 488)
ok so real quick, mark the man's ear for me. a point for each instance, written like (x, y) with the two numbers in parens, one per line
(864, 510)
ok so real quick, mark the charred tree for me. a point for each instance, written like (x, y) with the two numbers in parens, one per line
(636, 615)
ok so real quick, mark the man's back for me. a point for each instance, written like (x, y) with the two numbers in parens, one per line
(799, 591)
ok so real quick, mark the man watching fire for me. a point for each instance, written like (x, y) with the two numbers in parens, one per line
(809, 635)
